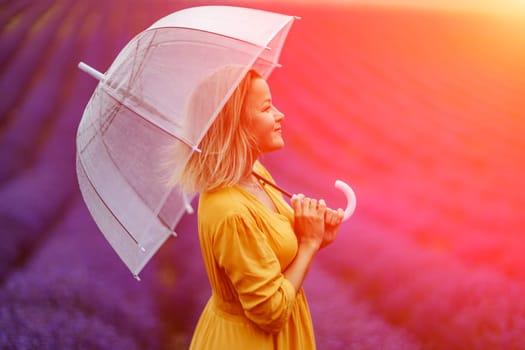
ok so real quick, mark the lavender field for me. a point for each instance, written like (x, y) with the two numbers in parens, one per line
(421, 111)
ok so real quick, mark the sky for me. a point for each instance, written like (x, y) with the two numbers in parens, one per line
(514, 7)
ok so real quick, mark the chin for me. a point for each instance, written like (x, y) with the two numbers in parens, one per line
(278, 147)
(273, 148)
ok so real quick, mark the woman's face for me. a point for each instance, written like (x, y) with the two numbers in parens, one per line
(265, 119)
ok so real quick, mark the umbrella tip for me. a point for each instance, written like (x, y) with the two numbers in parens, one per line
(91, 71)
(189, 208)
(187, 204)
(136, 277)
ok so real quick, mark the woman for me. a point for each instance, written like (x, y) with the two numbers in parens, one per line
(256, 249)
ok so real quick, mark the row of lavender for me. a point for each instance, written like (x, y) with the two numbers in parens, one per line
(421, 113)
(61, 285)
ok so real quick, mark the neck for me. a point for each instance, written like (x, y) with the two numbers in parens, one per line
(248, 177)
(249, 180)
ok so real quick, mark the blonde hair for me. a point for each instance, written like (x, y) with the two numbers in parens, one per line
(228, 149)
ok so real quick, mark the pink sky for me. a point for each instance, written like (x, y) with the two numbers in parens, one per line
(509, 7)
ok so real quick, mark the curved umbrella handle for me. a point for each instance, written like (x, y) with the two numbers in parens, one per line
(350, 198)
(340, 185)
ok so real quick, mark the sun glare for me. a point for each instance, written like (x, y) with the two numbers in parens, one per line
(497, 7)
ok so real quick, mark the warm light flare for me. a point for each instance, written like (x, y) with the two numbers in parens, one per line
(509, 7)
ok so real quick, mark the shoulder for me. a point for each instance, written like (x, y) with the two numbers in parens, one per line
(227, 217)
(224, 204)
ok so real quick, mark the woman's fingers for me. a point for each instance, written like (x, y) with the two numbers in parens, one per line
(334, 217)
(314, 221)
(331, 217)
(312, 204)
(340, 214)
(297, 203)
(321, 208)
(303, 205)
(297, 198)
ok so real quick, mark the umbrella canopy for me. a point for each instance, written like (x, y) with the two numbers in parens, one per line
(142, 111)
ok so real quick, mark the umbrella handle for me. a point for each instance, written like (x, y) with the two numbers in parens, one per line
(340, 185)
(91, 71)
(350, 198)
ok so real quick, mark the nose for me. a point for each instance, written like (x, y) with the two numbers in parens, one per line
(278, 115)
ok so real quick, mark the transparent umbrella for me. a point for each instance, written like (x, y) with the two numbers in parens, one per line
(143, 112)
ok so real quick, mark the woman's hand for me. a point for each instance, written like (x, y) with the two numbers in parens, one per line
(332, 223)
(309, 220)
(315, 227)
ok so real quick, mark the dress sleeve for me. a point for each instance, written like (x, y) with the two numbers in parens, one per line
(244, 253)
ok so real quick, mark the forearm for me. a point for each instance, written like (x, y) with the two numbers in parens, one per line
(297, 270)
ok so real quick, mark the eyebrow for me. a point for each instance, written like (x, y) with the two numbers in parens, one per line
(267, 100)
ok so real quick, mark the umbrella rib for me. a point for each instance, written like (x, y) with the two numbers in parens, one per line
(110, 91)
(272, 62)
(106, 205)
(115, 163)
(264, 47)
(214, 33)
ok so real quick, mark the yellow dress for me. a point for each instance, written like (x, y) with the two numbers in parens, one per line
(246, 247)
